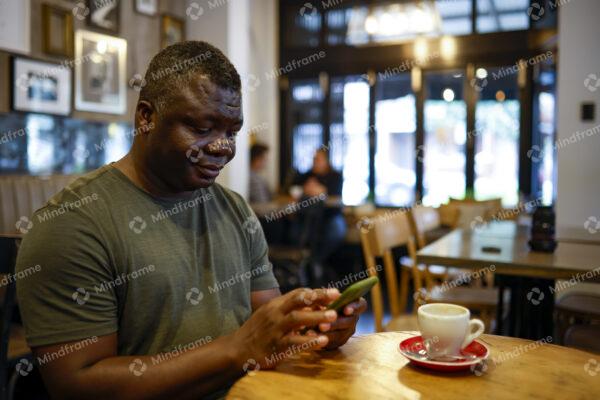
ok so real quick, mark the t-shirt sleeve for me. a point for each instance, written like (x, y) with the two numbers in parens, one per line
(59, 298)
(261, 268)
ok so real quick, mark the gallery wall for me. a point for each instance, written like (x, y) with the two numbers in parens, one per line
(143, 41)
(44, 144)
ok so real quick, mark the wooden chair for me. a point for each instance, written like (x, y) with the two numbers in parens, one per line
(471, 210)
(576, 309)
(378, 237)
(449, 215)
(424, 219)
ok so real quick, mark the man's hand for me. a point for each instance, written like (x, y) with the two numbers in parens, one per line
(339, 331)
(274, 327)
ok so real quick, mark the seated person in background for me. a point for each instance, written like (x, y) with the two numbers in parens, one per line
(321, 178)
(259, 189)
(328, 227)
(134, 297)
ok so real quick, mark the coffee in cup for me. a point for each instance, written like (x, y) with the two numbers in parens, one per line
(446, 329)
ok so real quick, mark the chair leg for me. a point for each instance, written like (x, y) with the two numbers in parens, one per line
(404, 278)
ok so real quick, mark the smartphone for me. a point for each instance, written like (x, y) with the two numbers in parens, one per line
(353, 293)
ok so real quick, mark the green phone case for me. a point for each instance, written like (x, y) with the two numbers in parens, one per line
(353, 292)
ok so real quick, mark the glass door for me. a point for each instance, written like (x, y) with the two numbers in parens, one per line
(396, 125)
(306, 111)
(349, 135)
(497, 114)
(445, 129)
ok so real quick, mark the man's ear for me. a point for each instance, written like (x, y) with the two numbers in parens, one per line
(145, 117)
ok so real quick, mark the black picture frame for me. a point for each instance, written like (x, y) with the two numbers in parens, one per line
(50, 93)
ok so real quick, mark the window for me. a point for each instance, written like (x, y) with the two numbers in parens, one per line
(543, 152)
(445, 126)
(306, 114)
(502, 15)
(395, 121)
(346, 26)
(302, 25)
(496, 134)
(349, 136)
(455, 16)
(399, 21)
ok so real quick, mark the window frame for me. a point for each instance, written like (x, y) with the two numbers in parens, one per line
(488, 50)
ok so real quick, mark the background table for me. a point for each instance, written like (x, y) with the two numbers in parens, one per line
(463, 248)
(371, 367)
(517, 267)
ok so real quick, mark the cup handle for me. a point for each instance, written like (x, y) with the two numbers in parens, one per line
(473, 335)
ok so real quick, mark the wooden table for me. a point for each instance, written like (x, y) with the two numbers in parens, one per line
(526, 272)
(463, 248)
(370, 367)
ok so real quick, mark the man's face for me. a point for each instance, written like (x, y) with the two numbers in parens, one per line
(194, 136)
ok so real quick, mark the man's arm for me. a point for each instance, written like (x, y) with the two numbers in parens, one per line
(260, 297)
(95, 371)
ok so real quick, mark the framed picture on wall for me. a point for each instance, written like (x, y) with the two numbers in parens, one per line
(172, 30)
(104, 15)
(41, 87)
(57, 28)
(146, 7)
(15, 26)
(100, 81)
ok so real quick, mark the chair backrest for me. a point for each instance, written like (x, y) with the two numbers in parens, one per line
(449, 215)
(379, 235)
(475, 211)
(423, 219)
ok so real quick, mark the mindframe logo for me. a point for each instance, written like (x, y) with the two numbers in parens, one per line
(194, 296)
(24, 367)
(194, 11)
(592, 82)
(138, 367)
(251, 82)
(251, 225)
(137, 224)
(24, 225)
(308, 10)
(536, 154)
(80, 11)
(137, 82)
(80, 296)
(592, 225)
(535, 296)
(535, 11)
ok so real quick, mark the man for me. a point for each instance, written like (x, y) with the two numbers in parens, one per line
(154, 280)
(259, 188)
(327, 225)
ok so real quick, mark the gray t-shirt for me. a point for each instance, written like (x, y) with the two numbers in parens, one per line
(166, 274)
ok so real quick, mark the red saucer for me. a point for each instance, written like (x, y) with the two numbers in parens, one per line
(415, 345)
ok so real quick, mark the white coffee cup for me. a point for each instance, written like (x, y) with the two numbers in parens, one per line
(447, 329)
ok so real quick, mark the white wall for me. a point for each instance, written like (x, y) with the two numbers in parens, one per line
(245, 30)
(578, 194)
(264, 106)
